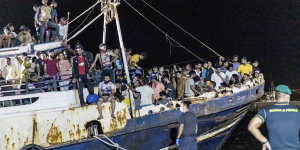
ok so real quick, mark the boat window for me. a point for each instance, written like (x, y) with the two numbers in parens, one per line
(18, 102)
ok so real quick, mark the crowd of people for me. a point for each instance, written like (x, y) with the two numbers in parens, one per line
(65, 69)
(48, 27)
(59, 69)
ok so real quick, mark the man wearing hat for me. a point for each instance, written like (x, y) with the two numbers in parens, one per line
(282, 121)
(80, 72)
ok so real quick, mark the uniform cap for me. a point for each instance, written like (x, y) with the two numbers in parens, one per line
(283, 89)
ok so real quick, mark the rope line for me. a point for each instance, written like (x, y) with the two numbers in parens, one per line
(180, 27)
(87, 25)
(81, 23)
(109, 143)
(84, 12)
(162, 31)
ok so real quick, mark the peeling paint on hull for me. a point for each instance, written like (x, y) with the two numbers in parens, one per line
(55, 129)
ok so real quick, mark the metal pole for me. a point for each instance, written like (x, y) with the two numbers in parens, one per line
(104, 27)
(68, 24)
(124, 59)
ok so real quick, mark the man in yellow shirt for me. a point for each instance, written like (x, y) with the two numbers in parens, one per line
(135, 59)
(245, 67)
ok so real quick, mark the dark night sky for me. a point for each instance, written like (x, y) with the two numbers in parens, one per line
(264, 30)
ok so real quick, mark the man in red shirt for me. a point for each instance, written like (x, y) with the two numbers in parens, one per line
(80, 73)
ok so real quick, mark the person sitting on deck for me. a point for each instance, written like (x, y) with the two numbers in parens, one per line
(24, 36)
(14, 40)
(6, 38)
(106, 92)
(37, 22)
(44, 19)
(245, 67)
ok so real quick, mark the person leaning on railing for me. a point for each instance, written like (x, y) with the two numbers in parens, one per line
(10, 72)
(65, 71)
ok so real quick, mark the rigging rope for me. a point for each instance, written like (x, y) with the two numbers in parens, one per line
(87, 25)
(162, 31)
(110, 142)
(178, 26)
(84, 12)
(81, 23)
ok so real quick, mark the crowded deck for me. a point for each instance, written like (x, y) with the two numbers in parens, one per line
(53, 71)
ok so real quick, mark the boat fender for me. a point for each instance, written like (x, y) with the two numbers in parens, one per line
(92, 98)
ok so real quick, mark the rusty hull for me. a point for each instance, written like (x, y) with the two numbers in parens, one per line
(57, 127)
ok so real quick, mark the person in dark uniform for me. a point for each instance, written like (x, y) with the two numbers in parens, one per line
(186, 138)
(80, 72)
(282, 121)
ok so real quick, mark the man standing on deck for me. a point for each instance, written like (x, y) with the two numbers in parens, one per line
(186, 138)
(283, 123)
(80, 73)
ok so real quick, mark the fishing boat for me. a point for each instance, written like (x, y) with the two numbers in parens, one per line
(34, 119)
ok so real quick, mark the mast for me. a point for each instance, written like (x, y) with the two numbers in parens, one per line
(110, 14)
(104, 27)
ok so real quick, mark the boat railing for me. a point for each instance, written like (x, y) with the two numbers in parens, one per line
(44, 84)
(30, 49)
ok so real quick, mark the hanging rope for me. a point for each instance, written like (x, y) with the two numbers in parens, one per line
(87, 25)
(84, 12)
(109, 142)
(162, 31)
(178, 26)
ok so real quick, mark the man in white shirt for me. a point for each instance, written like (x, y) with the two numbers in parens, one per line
(230, 72)
(146, 94)
(10, 71)
(218, 77)
(106, 92)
